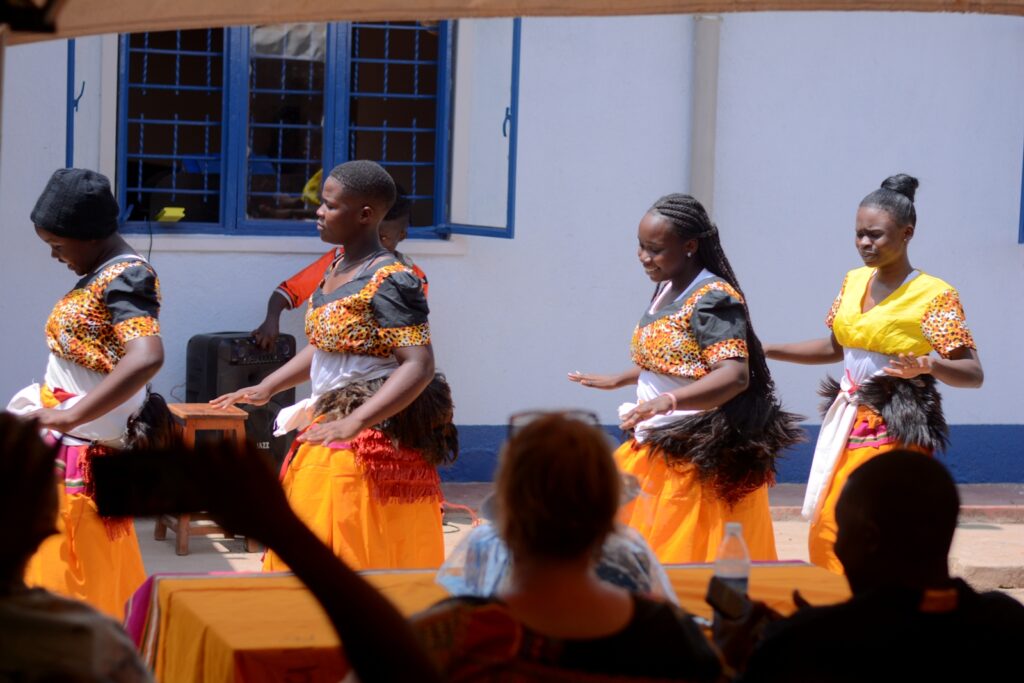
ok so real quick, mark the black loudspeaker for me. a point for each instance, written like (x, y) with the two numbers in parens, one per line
(221, 362)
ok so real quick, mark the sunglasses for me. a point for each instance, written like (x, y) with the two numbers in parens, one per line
(517, 421)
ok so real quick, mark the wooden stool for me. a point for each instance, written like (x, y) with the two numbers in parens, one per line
(201, 417)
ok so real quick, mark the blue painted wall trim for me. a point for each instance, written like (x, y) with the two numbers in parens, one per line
(978, 454)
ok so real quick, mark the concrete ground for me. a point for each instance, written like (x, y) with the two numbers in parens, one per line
(988, 549)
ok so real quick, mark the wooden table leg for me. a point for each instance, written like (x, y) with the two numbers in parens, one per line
(181, 537)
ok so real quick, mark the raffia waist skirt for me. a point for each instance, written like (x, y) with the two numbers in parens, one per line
(376, 506)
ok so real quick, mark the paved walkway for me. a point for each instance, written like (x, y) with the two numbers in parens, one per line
(988, 549)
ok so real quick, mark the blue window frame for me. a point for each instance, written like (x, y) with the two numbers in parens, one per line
(1020, 230)
(233, 125)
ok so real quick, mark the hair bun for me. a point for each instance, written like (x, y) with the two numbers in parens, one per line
(905, 184)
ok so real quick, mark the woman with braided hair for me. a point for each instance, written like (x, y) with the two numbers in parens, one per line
(706, 426)
(886, 321)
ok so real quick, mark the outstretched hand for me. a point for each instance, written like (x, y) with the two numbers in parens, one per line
(28, 488)
(908, 366)
(256, 396)
(594, 381)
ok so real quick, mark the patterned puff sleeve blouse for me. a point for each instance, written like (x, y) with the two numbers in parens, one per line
(372, 315)
(92, 323)
(702, 327)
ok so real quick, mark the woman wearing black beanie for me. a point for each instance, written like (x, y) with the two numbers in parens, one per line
(104, 343)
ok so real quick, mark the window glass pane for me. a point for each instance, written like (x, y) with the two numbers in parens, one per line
(480, 127)
(393, 105)
(286, 118)
(173, 130)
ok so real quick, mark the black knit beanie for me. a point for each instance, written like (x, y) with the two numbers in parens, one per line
(77, 203)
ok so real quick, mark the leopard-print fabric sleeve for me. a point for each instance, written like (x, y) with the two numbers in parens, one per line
(944, 324)
(831, 316)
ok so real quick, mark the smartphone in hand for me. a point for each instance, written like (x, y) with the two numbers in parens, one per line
(726, 600)
(147, 483)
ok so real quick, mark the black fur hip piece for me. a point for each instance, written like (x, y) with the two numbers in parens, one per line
(910, 408)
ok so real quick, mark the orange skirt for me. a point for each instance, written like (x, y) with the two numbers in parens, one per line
(331, 495)
(83, 562)
(683, 519)
(868, 440)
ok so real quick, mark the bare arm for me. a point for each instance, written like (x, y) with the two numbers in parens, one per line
(961, 369)
(378, 641)
(810, 352)
(727, 379)
(623, 379)
(415, 371)
(291, 374)
(142, 359)
(266, 334)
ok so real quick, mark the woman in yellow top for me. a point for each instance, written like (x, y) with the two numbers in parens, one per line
(706, 426)
(362, 475)
(887, 320)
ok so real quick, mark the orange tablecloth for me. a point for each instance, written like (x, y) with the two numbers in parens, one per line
(268, 627)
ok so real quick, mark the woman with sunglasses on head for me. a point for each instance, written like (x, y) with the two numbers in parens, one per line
(557, 491)
(706, 426)
(885, 322)
(480, 564)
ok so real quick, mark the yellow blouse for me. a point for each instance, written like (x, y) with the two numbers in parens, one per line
(922, 315)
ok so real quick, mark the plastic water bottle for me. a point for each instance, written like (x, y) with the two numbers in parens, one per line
(732, 564)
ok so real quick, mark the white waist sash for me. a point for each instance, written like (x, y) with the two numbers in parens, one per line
(108, 429)
(649, 386)
(859, 366)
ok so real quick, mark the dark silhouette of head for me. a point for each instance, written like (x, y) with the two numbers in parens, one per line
(896, 518)
(28, 496)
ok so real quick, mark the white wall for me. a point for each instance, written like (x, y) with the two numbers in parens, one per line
(815, 109)
(34, 106)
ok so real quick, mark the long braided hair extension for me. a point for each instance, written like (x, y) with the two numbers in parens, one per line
(734, 446)
(689, 220)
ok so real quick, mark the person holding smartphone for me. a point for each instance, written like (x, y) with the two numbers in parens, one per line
(44, 636)
(104, 343)
(364, 477)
